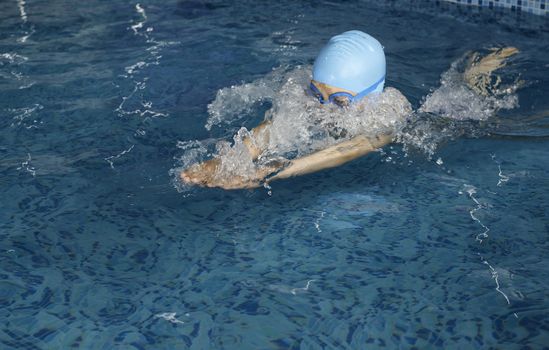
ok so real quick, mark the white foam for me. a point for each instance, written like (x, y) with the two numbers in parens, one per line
(26, 166)
(135, 103)
(12, 58)
(455, 100)
(454, 109)
(170, 317)
(112, 158)
(22, 12)
(231, 103)
(22, 116)
(141, 11)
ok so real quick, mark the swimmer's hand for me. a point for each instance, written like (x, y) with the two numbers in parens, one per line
(479, 74)
(207, 174)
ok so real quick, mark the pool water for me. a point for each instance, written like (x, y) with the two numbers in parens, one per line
(437, 245)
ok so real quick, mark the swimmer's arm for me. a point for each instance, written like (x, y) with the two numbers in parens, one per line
(333, 156)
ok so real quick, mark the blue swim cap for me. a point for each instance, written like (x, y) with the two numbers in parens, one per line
(352, 61)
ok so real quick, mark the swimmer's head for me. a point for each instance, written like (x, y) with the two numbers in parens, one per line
(350, 66)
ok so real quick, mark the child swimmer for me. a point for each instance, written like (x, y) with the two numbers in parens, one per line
(349, 72)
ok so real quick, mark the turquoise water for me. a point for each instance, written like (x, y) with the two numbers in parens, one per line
(100, 249)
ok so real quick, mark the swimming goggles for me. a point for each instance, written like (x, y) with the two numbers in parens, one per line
(336, 96)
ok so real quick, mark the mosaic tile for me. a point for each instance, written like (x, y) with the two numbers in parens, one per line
(537, 7)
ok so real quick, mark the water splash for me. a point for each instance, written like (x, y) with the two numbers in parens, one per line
(294, 291)
(21, 116)
(26, 35)
(111, 159)
(231, 104)
(455, 100)
(22, 12)
(135, 103)
(321, 215)
(282, 288)
(471, 191)
(455, 109)
(480, 237)
(192, 151)
(24, 18)
(139, 25)
(502, 178)
(12, 58)
(170, 317)
(26, 166)
(268, 188)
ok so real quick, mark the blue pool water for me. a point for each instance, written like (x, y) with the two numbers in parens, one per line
(100, 248)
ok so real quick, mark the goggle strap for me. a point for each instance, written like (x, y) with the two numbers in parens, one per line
(368, 90)
(317, 93)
